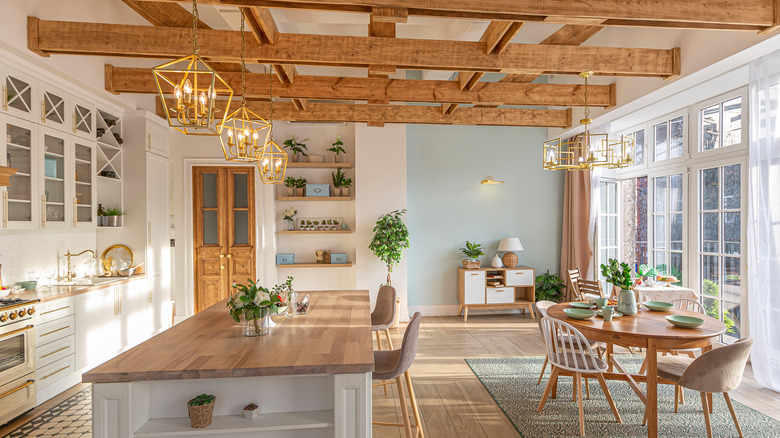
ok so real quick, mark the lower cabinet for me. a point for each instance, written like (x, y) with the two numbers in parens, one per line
(54, 348)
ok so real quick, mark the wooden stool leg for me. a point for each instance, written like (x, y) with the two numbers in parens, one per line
(676, 397)
(404, 408)
(389, 340)
(733, 414)
(413, 399)
(706, 408)
(587, 388)
(544, 367)
(605, 388)
(378, 341)
(548, 388)
(579, 403)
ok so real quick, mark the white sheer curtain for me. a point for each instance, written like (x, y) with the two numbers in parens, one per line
(764, 220)
(595, 207)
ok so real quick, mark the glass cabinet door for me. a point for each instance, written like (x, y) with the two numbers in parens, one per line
(16, 145)
(83, 119)
(54, 108)
(19, 95)
(54, 148)
(84, 188)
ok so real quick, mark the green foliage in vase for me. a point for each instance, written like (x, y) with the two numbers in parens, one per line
(252, 301)
(472, 250)
(300, 183)
(391, 237)
(617, 273)
(115, 211)
(549, 287)
(202, 399)
(337, 146)
(290, 182)
(296, 145)
(645, 271)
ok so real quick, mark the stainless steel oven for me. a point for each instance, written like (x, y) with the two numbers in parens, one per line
(17, 359)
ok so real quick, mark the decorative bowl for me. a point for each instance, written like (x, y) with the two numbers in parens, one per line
(29, 285)
(579, 313)
(658, 306)
(580, 305)
(684, 321)
(127, 272)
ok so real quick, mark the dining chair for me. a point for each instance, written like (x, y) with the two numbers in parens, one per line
(383, 316)
(688, 304)
(569, 350)
(574, 278)
(391, 365)
(716, 371)
(682, 304)
(589, 290)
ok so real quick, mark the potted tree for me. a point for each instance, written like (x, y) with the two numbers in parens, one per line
(391, 237)
(549, 287)
(472, 251)
(201, 410)
(647, 274)
(337, 150)
(297, 148)
(290, 183)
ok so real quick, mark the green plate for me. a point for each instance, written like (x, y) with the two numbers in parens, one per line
(684, 321)
(659, 306)
(579, 313)
(581, 305)
(614, 314)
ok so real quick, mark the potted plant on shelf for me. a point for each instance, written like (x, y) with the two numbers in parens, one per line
(335, 225)
(473, 251)
(252, 306)
(290, 183)
(251, 411)
(297, 147)
(289, 216)
(201, 410)
(391, 237)
(340, 182)
(619, 274)
(300, 185)
(549, 287)
(112, 216)
(337, 150)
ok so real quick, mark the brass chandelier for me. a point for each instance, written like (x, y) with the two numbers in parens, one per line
(587, 150)
(272, 161)
(243, 133)
(199, 92)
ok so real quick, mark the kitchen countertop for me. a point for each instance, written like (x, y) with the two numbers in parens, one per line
(50, 293)
(334, 338)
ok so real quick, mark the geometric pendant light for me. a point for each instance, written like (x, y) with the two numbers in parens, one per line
(272, 161)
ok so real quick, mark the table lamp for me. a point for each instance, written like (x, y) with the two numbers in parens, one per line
(510, 244)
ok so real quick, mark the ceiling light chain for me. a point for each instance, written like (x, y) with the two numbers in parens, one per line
(243, 64)
(194, 29)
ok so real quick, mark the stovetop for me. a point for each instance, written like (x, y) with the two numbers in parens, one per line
(7, 302)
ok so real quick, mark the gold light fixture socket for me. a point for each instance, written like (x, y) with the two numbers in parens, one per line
(490, 180)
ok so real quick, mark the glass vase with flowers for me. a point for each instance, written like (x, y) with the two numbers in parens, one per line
(252, 305)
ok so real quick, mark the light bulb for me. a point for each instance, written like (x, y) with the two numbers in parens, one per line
(212, 92)
(230, 133)
(177, 92)
(203, 98)
(187, 87)
(581, 159)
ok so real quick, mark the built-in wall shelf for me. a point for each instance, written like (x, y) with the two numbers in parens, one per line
(317, 265)
(232, 424)
(315, 198)
(291, 165)
(316, 232)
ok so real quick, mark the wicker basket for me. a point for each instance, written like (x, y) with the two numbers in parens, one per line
(471, 264)
(200, 416)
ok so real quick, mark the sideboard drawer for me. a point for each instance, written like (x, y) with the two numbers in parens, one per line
(500, 295)
(51, 310)
(53, 351)
(51, 331)
(54, 371)
(520, 277)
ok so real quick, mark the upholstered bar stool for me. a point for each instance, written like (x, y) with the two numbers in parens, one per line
(383, 316)
(391, 365)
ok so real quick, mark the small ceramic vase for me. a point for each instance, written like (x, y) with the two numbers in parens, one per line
(496, 263)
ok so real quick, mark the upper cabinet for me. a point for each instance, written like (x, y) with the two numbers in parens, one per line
(157, 139)
(55, 146)
(83, 119)
(20, 95)
(55, 108)
(84, 190)
(18, 149)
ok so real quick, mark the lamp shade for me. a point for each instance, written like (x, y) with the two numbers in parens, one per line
(510, 244)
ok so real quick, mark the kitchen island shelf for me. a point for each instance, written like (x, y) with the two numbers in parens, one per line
(230, 424)
(317, 265)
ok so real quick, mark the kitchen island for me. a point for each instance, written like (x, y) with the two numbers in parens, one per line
(311, 376)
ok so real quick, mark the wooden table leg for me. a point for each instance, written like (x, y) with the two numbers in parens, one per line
(609, 356)
(465, 313)
(652, 389)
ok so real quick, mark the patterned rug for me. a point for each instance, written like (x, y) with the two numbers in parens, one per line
(512, 383)
(71, 418)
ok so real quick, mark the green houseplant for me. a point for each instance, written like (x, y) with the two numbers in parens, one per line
(337, 150)
(619, 274)
(549, 287)
(340, 182)
(252, 305)
(297, 147)
(201, 410)
(300, 185)
(472, 251)
(113, 214)
(391, 237)
(290, 183)
(648, 273)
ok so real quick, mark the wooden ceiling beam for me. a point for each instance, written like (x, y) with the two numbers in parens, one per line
(747, 15)
(383, 90)
(382, 25)
(100, 39)
(376, 115)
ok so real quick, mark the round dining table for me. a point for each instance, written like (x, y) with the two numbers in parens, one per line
(650, 330)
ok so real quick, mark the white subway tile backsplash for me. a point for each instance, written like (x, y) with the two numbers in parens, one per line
(41, 252)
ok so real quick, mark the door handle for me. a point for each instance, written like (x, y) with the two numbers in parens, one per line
(43, 112)
(74, 122)
(222, 256)
(230, 256)
(221, 266)
(43, 210)
(5, 98)
(75, 212)
(149, 142)
(29, 382)
(5, 209)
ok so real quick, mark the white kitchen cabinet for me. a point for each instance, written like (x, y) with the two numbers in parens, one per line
(157, 140)
(54, 150)
(82, 185)
(54, 107)
(18, 149)
(55, 347)
(20, 94)
(83, 114)
(135, 312)
(98, 327)
(520, 277)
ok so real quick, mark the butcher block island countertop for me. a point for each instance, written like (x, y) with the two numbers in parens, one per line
(334, 338)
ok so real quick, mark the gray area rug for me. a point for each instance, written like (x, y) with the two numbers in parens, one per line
(512, 383)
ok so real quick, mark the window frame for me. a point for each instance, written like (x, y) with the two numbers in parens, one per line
(618, 225)
(740, 148)
(634, 168)
(684, 113)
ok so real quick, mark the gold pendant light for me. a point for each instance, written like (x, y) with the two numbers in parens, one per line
(587, 150)
(243, 133)
(272, 161)
(192, 93)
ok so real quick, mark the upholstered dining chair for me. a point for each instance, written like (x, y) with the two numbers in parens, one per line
(716, 371)
(568, 350)
(391, 365)
(383, 316)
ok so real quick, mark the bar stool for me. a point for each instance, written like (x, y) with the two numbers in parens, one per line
(383, 316)
(392, 364)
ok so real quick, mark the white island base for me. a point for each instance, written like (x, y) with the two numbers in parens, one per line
(299, 406)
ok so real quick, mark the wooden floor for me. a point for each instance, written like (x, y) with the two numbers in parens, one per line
(454, 403)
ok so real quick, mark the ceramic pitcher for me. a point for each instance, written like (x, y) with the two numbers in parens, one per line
(626, 302)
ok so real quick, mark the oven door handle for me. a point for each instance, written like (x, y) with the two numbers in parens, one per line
(29, 382)
(13, 332)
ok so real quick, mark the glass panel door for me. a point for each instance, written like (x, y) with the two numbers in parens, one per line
(720, 245)
(608, 223)
(54, 108)
(668, 225)
(84, 168)
(53, 199)
(18, 197)
(84, 120)
(18, 96)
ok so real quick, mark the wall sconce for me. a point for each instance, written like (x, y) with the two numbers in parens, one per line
(490, 180)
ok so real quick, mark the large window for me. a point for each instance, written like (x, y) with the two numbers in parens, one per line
(668, 225)
(634, 221)
(721, 125)
(720, 244)
(639, 146)
(608, 226)
(668, 139)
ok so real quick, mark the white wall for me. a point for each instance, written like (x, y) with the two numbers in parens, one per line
(42, 252)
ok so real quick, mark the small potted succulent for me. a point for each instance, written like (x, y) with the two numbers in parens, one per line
(297, 147)
(290, 183)
(201, 410)
(251, 411)
(335, 224)
(338, 150)
(300, 185)
(472, 251)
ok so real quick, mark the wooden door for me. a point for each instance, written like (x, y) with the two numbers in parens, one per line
(224, 239)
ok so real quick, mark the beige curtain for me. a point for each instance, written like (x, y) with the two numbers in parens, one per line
(575, 244)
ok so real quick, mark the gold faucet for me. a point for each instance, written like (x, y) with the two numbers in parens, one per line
(72, 275)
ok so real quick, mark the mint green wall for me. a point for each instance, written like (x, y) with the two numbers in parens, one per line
(447, 204)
